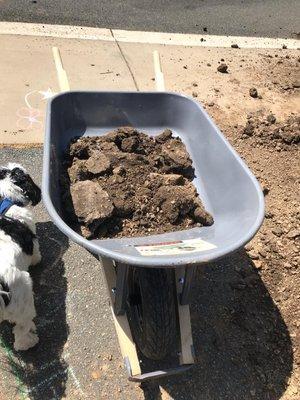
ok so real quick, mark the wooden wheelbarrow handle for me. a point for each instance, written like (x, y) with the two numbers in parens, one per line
(159, 76)
(61, 73)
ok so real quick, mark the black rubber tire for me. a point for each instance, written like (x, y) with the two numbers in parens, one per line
(152, 310)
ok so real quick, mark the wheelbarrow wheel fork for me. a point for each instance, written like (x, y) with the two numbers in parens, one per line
(121, 289)
(160, 285)
(185, 278)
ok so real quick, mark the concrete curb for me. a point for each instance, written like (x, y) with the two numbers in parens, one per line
(179, 39)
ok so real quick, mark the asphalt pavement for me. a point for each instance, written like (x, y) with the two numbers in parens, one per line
(78, 356)
(77, 339)
(265, 18)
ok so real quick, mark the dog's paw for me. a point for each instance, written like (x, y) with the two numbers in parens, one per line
(26, 342)
(36, 259)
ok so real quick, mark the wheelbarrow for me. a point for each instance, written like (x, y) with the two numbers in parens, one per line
(149, 278)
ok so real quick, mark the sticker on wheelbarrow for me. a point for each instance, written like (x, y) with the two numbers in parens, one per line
(176, 247)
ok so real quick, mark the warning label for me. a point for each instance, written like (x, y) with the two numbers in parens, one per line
(174, 248)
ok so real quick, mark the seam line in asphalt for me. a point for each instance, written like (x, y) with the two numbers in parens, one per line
(126, 62)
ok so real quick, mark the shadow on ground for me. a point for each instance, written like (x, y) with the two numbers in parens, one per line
(41, 372)
(242, 343)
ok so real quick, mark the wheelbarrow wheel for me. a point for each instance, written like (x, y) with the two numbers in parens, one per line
(152, 311)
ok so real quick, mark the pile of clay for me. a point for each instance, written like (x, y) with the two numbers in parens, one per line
(126, 184)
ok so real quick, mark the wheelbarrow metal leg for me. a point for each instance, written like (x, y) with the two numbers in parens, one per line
(188, 278)
(121, 289)
(184, 317)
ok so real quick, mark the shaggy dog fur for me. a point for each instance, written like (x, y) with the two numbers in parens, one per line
(19, 248)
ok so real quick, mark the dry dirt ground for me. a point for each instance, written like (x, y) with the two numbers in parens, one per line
(245, 312)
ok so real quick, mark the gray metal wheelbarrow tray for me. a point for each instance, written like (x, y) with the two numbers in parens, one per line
(226, 186)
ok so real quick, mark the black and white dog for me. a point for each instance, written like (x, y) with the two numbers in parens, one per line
(19, 248)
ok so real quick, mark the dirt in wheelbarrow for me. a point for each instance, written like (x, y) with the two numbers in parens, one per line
(127, 183)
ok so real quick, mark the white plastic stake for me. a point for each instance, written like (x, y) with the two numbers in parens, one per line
(159, 76)
(61, 73)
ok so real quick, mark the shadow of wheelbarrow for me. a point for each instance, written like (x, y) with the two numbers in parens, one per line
(242, 344)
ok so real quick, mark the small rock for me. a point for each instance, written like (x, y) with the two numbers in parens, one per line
(265, 190)
(205, 29)
(277, 231)
(130, 144)
(208, 64)
(167, 179)
(271, 118)
(110, 357)
(98, 164)
(90, 202)
(258, 264)
(253, 93)
(235, 46)
(293, 233)
(164, 136)
(211, 104)
(77, 171)
(253, 255)
(296, 84)
(287, 137)
(195, 94)
(223, 68)
(195, 84)
(96, 374)
(185, 66)
(262, 252)
(203, 217)
(249, 129)
(284, 46)
(269, 215)
(248, 247)
(119, 171)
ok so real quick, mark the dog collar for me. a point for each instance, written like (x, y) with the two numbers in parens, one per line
(5, 205)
